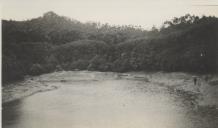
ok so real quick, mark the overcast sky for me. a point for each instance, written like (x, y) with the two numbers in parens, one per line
(119, 12)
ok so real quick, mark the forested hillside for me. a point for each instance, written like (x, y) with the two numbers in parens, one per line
(51, 42)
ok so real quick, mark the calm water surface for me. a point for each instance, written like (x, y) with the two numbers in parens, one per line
(107, 103)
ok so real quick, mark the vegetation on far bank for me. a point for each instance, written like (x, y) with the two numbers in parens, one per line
(51, 42)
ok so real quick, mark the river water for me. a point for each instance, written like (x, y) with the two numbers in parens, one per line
(107, 102)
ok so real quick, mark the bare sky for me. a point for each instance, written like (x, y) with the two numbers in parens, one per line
(145, 13)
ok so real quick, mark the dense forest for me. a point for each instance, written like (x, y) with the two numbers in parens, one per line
(52, 42)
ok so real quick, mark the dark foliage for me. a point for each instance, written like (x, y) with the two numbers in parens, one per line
(53, 42)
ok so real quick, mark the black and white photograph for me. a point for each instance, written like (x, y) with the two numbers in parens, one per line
(109, 63)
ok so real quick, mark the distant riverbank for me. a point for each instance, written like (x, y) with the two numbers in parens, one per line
(180, 83)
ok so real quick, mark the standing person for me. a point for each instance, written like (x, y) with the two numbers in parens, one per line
(195, 80)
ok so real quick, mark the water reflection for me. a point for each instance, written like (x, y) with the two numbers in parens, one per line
(114, 103)
(11, 113)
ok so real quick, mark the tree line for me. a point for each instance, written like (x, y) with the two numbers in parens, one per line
(52, 42)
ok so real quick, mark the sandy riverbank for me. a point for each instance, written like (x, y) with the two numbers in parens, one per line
(179, 83)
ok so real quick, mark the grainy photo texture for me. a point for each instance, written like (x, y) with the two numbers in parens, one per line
(109, 63)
